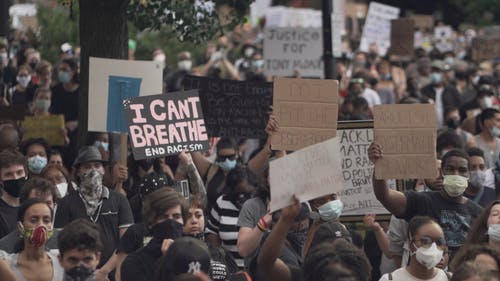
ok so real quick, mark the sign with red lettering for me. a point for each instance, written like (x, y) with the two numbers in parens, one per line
(163, 125)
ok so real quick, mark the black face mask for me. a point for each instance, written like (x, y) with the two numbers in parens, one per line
(146, 164)
(13, 187)
(238, 199)
(452, 123)
(168, 229)
(79, 273)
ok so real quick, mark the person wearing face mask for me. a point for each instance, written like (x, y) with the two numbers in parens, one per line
(452, 119)
(13, 175)
(453, 211)
(164, 222)
(477, 191)
(441, 93)
(223, 216)
(426, 250)
(184, 67)
(41, 102)
(60, 177)
(489, 137)
(34, 188)
(33, 262)
(23, 91)
(214, 174)
(79, 250)
(98, 204)
(35, 151)
(485, 232)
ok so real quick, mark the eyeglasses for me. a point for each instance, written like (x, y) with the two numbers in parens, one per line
(426, 241)
(222, 158)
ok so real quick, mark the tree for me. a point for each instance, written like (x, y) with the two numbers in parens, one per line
(103, 29)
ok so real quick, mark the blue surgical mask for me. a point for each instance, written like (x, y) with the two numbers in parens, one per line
(436, 78)
(64, 77)
(227, 165)
(104, 145)
(36, 164)
(331, 210)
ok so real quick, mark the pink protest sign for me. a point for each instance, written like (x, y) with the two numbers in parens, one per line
(163, 125)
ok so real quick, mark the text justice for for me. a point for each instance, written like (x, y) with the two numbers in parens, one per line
(178, 131)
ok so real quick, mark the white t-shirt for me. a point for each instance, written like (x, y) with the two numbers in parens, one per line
(371, 97)
(403, 275)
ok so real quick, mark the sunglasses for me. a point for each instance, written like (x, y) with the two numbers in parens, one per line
(426, 241)
(222, 158)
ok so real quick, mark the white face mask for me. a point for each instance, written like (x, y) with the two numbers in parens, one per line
(62, 188)
(455, 185)
(23, 80)
(42, 104)
(486, 102)
(429, 257)
(185, 65)
(494, 232)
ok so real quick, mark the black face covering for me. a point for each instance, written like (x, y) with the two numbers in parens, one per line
(452, 123)
(13, 187)
(146, 164)
(79, 273)
(239, 198)
(168, 229)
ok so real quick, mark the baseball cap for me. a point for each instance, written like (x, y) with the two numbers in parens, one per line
(87, 154)
(187, 255)
(329, 231)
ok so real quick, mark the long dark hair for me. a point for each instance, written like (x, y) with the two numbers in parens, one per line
(19, 246)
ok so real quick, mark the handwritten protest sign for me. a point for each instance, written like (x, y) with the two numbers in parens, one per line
(308, 173)
(163, 125)
(306, 110)
(110, 82)
(357, 169)
(233, 108)
(46, 127)
(377, 29)
(443, 37)
(407, 134)
(287, 49)
(402, 31)
(423, 22)
(485, 47)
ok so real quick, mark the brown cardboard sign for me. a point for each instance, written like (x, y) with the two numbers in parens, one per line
(407, 134)
(423, 22)
(402, 31)
(307, 111)
(47, 127)
(485, 47)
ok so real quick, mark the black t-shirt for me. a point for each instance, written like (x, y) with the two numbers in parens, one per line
(64, 102)
(133, 239)
(8, 218)
(141, 265)
(456, 219)
(114, 214)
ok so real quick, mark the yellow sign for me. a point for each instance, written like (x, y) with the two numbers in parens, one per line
(50, 128)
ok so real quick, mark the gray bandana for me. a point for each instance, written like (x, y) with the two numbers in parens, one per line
(91, 190)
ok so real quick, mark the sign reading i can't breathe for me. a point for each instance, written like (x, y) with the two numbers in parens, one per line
(163, 125)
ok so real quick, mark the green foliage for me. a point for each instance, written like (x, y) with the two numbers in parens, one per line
(165, 39)
(189, 22)
(56, 28)
(480, 12)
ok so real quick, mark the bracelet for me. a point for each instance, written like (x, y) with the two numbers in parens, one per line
(261, 228)
(263, 222)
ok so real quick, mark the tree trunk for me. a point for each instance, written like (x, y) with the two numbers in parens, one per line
(104, 34)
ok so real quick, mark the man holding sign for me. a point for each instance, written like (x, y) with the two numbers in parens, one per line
(454, 212)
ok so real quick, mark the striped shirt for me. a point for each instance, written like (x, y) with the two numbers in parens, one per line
(223, 222)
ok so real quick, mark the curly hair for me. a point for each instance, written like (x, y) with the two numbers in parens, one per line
(339, 260)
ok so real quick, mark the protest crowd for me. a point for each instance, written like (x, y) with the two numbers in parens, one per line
(70, 212)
